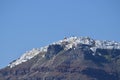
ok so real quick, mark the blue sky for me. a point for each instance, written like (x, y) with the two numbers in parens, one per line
(27, 24)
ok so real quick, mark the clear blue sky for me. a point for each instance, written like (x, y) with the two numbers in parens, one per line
(27, 24)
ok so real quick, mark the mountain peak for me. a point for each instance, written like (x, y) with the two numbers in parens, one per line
(68, 43)
(72, 58)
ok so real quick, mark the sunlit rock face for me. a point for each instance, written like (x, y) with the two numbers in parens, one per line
(74, 58)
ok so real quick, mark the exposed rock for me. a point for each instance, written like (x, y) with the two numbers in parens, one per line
(59, 61)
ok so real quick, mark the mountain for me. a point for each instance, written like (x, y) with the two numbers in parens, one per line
(73, 58)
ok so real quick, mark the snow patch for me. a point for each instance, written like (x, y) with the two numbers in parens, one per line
(28, 55)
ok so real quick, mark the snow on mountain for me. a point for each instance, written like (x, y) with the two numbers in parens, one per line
(28, 55)
(71, 42)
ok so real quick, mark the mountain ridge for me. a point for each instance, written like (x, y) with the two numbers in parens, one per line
(69, 42)
(73, 58)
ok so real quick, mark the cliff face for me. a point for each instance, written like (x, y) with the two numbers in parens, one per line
(75, 63)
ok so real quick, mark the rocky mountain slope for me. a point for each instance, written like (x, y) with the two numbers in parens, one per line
(74, 58)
